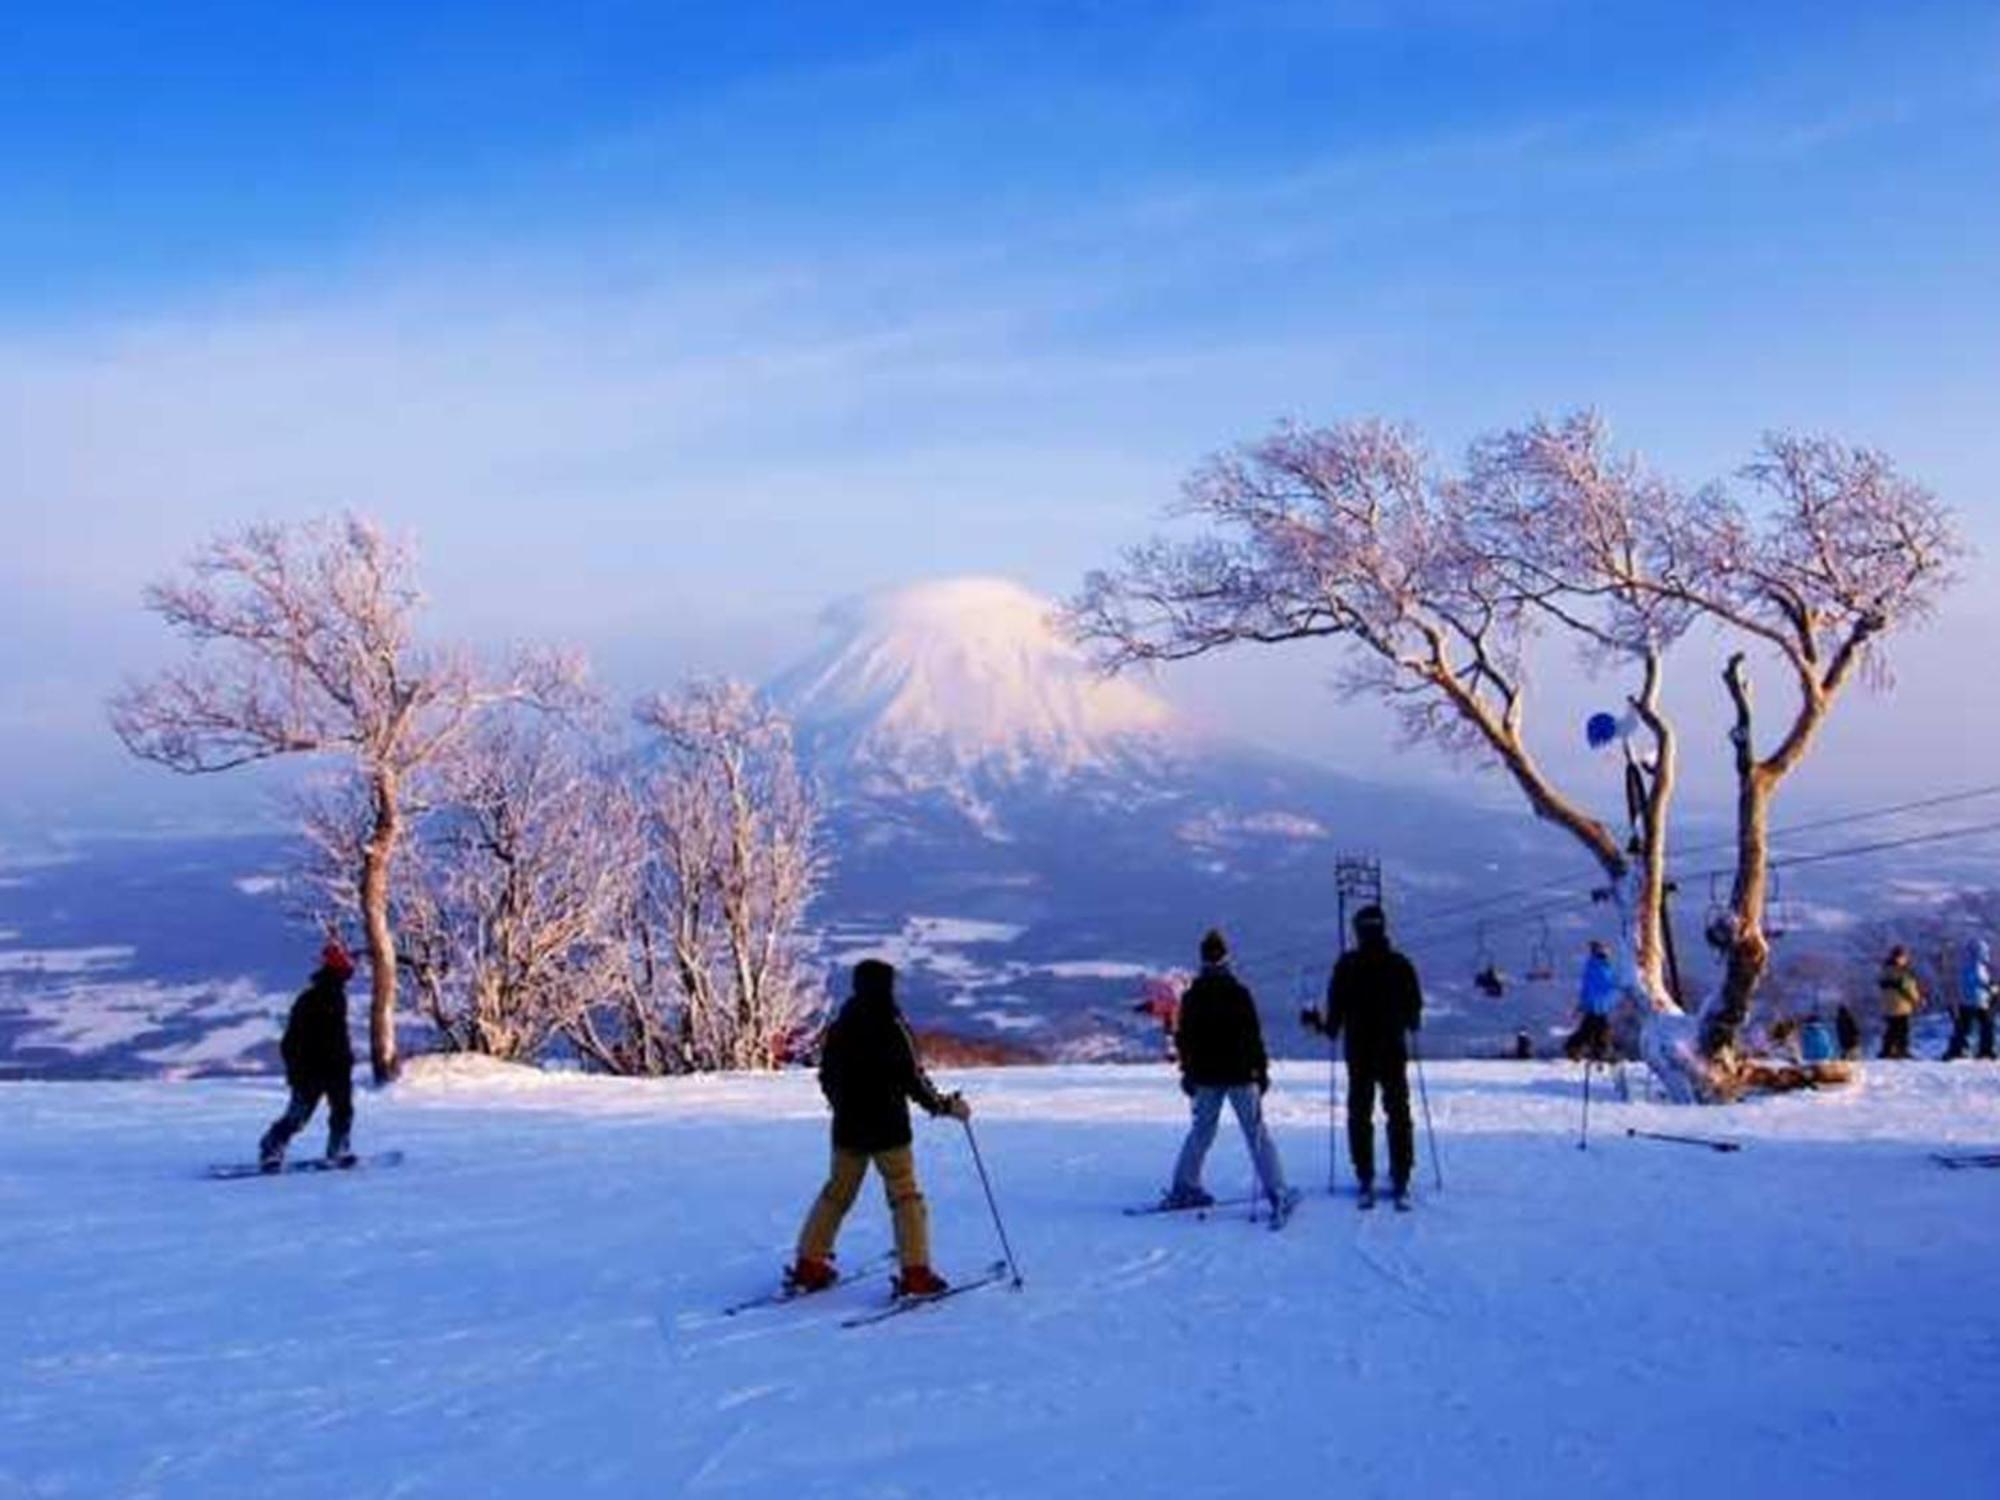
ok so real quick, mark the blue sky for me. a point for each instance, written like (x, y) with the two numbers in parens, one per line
(661, 326)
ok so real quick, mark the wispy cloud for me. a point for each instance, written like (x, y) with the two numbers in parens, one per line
(671, 384)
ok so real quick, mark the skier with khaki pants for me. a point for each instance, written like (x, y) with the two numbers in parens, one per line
(869, 1073)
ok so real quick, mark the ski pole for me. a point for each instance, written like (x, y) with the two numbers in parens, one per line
(1430, 1130)
(1332, 1092)
(1332, 1117)
(987, 1183)
(1583, 1140)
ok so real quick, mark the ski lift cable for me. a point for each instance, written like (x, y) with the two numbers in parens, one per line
(1861, 815)
(1423, 922)
(1272, 961)
(1445, 925)
(1879, 846)
(1777, 863)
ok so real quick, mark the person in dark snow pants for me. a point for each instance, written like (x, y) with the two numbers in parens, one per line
(1902, 997)
(1374, 999)
(1220, 1045)
(1975, 1002)
(1847, 1031)
(319, 1063)
(869, 1073)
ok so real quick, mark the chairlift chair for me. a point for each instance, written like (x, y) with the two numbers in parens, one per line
(1542, 956)
(1487, 977)
(1718, 926)
(1779, 918)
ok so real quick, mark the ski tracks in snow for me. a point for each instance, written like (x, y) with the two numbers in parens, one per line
(1390, 1248)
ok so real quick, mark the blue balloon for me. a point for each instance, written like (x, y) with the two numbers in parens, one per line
(1600, 730)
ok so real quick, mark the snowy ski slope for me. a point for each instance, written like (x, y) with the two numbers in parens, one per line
(529, 1305)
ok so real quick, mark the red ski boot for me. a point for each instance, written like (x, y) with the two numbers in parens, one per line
(809, 1275)
(920, 1281)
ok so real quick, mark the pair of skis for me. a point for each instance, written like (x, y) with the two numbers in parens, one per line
(1953, 1160)
(1713, 1143)
(791, 1293)
(1281, 1211)
(995, 1272)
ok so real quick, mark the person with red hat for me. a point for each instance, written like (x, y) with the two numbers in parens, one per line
(319, 1063)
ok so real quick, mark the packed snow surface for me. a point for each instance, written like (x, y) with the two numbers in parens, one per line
(529, 1305)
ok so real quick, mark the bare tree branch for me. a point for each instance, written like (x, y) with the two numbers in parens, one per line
(302, 642)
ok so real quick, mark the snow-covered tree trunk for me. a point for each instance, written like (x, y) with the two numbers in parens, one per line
(377, 856)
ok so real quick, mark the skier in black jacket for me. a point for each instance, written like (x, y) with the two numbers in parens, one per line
(869, 1073)
(319, 1062)
(1374, 997)
(1221, 1049)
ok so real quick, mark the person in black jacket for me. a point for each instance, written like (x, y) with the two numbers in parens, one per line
(1221, 1050)
(1374, 998)
(869, 1072)
(319, 1063)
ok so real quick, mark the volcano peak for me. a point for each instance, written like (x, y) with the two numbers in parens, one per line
(963, 672)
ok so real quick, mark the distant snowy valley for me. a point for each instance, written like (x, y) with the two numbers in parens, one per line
(1026, 840)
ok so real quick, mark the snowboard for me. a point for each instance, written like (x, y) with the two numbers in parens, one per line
(1960, 1160)
(994, 1274)
(229, 1171)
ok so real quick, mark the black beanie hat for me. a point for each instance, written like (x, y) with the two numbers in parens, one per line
(1371, 921)
(1214, 947)
(873, 977)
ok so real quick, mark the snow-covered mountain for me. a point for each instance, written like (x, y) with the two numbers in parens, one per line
(1030, 838)
(960, 678)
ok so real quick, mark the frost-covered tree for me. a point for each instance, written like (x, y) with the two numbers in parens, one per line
(1831, 553)
(720, 974)
(303, 643)
(512, 900)
(1438, 584)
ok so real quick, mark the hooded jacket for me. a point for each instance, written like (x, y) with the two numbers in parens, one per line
(1375, 999)
(1598, 991)
(316, 1047)
(1975, 976)
(1217, 1035)
(869, 1072)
